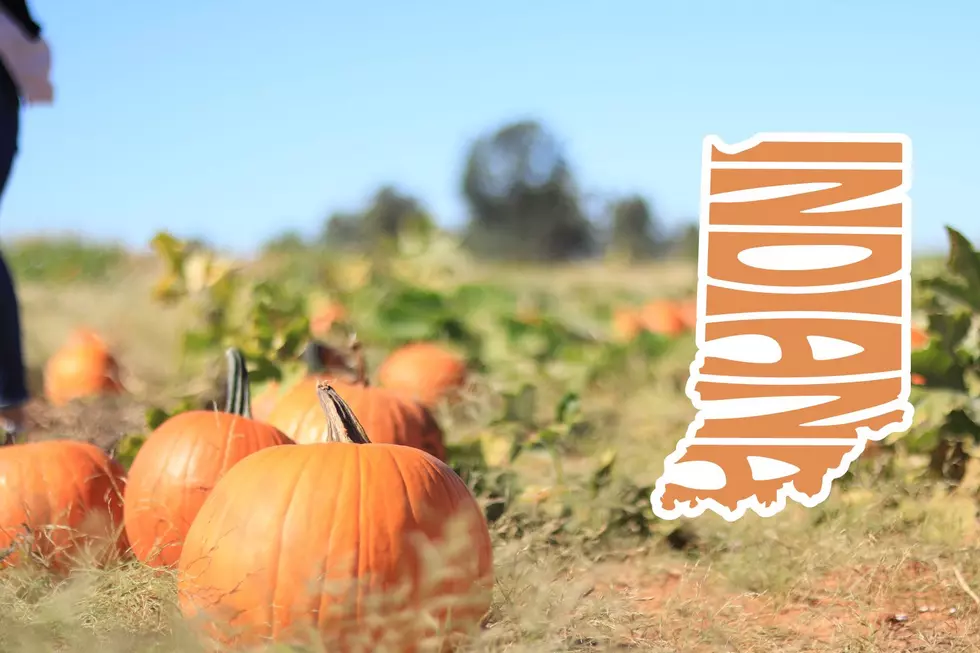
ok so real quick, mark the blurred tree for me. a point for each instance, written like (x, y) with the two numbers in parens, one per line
(635, 233)
(389, 215)
(284, 243)
(343, 231)
(522, 197)
(685, 242)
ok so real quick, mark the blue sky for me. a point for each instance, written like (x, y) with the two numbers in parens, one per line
(217, 119)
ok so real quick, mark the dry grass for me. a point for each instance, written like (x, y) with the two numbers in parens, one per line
(883, 566)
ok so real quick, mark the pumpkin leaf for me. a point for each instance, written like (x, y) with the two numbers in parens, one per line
(127, 448)
(602, 474)
(568, 408)
(499, 450)
(155, 417)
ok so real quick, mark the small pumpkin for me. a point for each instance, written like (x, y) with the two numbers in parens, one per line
(920, 338)
(390, 416)
(301, 540)
(83, 367)
(64, 498)
(181, 461)
(626, 323)
(424, 371)
(687, 312)
(662, 317)
(325, 316)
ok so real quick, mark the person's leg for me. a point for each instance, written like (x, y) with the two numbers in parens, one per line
(13, 385)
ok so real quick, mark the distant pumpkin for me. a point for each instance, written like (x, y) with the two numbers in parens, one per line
(920, 338)
(60, 498)
(662, 317)
(626, 323)
(325, 316)
(425, 371)
(181, 461)
(83, 367)
(687, 312)
(391, 417)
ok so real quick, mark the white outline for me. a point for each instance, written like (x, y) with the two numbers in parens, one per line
(863, 434)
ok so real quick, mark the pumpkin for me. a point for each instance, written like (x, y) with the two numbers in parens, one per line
(320, 360)
(424, 371)
(390, 417)
(83, 367)
(919, 338)
(687, 312)
(296, 541)
(266, 400)
(65, 498)
(626, 323)
(325, 316)
(180, 462)
(662, 317)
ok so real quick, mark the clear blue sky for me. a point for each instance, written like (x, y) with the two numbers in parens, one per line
(218, 119)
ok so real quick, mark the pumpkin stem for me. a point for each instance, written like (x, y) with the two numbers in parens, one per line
(239, 401)
(342, 423)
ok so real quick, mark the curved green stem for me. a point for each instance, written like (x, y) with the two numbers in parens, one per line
(239, 401)
(342, 423)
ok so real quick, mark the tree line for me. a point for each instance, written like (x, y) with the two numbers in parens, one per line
(523, 203)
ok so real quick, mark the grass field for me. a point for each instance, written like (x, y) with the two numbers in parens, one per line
(886, 564)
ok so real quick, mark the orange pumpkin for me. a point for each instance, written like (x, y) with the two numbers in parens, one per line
(390, 417)
(687, 312)
(63, 497)
(278, 544)
(919, 338)
(662, 317)
(423, 370)
(626, 323)
(83, 367)
(180, 462)
(325, 316)
(918, 379)
(263, 404)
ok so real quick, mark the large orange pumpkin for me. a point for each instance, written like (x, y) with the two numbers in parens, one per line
(423, 370)
(389, 416)
(304, 541)
(63, 498)
(180, 462)
(83, 367)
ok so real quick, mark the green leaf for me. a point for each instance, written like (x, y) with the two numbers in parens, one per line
(938, 367)
(155, 417)
(963, 260)
(127, 448)
(520, 407)
(568, 408)
(602, 474)
(951, 327)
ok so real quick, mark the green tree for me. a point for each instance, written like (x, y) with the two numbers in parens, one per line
(522, 198)
(389, 214)
(634, 231)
